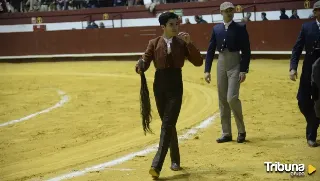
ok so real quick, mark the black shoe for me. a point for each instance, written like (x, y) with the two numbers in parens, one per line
(175, 167)
(155, 173)
(223, 139)
(241, 137)
(312, 143)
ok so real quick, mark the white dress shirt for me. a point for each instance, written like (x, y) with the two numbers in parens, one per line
(226, 25)
(168, 41)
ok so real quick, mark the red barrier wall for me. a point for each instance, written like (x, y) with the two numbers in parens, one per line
(132, 12)
(264, 36)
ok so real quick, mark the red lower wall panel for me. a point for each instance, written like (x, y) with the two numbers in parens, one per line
(264, 36)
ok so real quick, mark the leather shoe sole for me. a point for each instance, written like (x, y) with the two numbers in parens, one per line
(241, 137)
(224, 139)
(154, 173)
(312, 143)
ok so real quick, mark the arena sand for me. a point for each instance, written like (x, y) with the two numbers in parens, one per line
(101, 122)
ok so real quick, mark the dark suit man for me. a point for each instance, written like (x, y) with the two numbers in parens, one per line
(309, 33)
(316, 86)
(229, 38)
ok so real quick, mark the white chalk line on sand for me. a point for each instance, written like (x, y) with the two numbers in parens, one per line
(119, 169)
(63, 100)
(130, 156)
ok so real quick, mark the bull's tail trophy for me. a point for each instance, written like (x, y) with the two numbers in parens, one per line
(145, 105)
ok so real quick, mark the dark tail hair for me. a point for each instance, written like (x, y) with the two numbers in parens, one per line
(145, 106)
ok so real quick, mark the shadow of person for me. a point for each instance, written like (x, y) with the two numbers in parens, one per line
(185, 175)
(247, 141)
(235, 141)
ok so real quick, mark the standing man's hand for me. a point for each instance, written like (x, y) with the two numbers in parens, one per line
(207, 77)
(185, 37)
(293, 75)
(242, 77)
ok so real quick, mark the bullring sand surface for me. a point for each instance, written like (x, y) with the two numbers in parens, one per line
(100, 122)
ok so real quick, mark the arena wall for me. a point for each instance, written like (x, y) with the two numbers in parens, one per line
(134, 12)
(266, 37)
(137, 16)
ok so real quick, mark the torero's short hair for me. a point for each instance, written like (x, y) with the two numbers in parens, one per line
(164, 17)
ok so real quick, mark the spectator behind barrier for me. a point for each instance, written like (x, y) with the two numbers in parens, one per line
(119, 2)
(294, 14)
(89, 25)
(283, 14)
(199, 19)
(92, 25)
(101, 25)
(247, 18)
(180, 19)
(264, 16)
(53, 5)
(187, 21)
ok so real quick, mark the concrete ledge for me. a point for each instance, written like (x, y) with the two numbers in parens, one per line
(120, 55)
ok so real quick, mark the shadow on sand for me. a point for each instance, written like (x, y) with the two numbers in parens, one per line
(183, 175)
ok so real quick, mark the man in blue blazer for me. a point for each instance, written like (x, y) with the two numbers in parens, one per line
(229, 38)
(310, 32)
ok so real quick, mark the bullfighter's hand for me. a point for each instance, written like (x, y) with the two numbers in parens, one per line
(185, 37)
(242, 77)
(139, 66)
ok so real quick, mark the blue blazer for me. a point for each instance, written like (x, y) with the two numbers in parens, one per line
(236, 38)
(308, 35)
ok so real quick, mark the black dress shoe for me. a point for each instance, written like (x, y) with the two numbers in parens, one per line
(312, 143)
(175, 167)
(155, 173)
(223, 139)
(241, 137)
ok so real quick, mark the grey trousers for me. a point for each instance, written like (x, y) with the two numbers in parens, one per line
(228, 69)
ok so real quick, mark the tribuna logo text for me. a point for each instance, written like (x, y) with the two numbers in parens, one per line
(293, 169)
